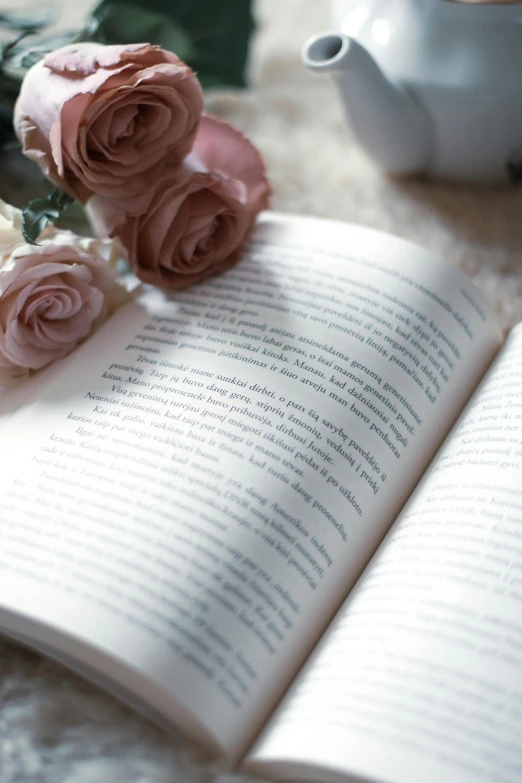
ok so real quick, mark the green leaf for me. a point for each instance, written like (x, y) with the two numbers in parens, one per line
(7, 136)
(117, 23)
(18, 56)
(212, 36)
(8, 48)
(32, 18)
(41, 211)
(25, 57)
(75, 219)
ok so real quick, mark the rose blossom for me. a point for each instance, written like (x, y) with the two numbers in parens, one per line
(103, 119)
(195, 221)
(52, 295)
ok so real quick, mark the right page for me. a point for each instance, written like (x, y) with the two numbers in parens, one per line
(420, 676)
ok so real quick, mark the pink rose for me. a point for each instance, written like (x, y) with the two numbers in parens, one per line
(195, 221)
(104, 119)
(52, 296)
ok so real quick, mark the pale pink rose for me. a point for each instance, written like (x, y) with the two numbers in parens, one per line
(195, 221)
(103, 119)
(52, 296)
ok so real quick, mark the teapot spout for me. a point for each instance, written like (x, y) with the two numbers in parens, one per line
(387, 121)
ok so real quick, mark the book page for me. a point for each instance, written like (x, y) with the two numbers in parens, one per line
(187, 505)
(420, 678)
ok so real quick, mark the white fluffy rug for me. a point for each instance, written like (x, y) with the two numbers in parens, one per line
(55, 728)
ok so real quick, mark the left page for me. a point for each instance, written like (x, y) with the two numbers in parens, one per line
(187, 504)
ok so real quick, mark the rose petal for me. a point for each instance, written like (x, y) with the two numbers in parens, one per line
(226, 150)
(107, 119)
(85, 58)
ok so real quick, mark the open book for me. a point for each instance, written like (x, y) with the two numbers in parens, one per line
(189, 502)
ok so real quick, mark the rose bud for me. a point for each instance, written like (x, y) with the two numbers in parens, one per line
(52, 295)
(104, 119)
(195, 220)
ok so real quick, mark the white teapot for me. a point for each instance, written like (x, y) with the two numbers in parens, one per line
(430, 86)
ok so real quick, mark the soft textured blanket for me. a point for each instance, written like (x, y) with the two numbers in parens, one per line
(56, 728)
